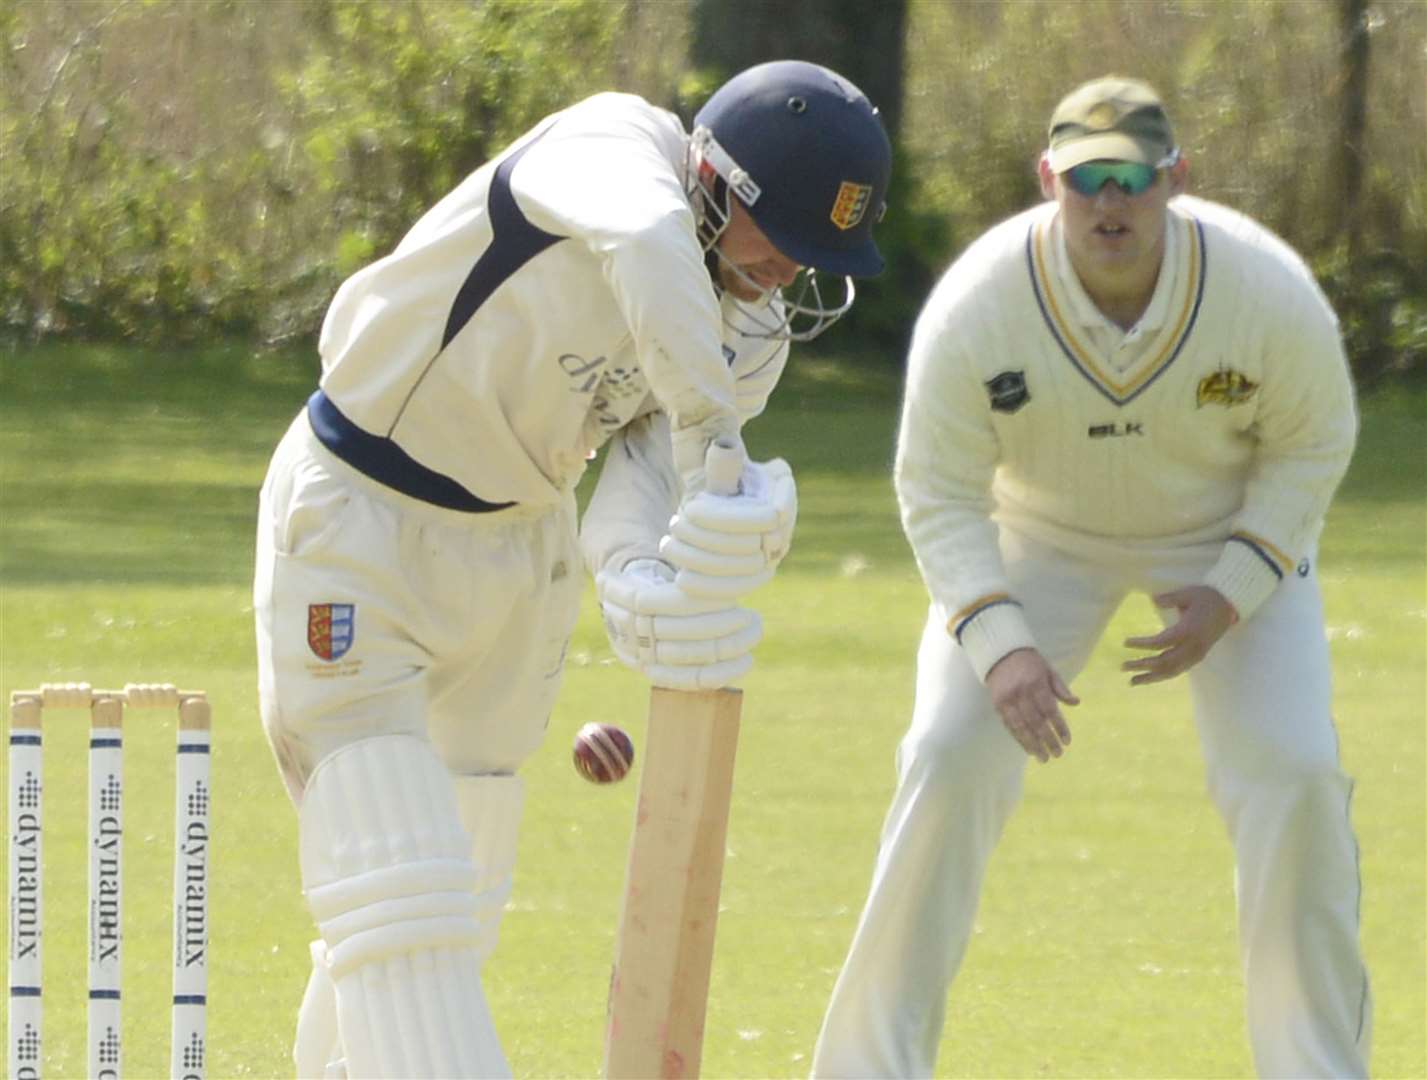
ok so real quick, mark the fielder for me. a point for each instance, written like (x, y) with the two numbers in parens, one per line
(606, 279)
(1122, 390)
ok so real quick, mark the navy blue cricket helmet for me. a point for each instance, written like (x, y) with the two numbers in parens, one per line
(806, 152)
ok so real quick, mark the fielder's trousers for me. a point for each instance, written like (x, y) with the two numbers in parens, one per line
(1261, 704)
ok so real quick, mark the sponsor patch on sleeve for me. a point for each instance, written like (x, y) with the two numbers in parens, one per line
(1008, 391)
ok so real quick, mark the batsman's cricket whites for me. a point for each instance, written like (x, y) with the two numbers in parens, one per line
(664, 946)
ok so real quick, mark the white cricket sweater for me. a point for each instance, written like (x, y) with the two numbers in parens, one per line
(1232, 424)
(556, 294)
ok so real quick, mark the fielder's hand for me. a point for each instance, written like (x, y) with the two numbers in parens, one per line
(1027, 693)
(678, 641)
(724, 546)
(1204, 617)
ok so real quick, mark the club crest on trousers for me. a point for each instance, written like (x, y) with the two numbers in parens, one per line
(331, 629)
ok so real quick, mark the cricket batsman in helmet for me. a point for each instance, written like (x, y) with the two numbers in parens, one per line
(609, 283)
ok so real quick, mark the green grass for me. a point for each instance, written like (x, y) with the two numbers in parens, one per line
(1105, 943)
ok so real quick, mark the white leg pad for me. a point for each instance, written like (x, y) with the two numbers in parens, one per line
(318, 1043)
(491, 807)
(388, 876)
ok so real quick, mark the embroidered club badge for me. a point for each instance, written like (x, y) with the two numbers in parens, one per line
(330, 629)
(1227, 388)
(851, 204)
(1008, 391)
(1101, 117)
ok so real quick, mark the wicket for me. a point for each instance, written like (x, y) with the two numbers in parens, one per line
(105, 845)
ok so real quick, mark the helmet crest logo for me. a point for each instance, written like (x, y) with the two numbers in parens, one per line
(850, 205)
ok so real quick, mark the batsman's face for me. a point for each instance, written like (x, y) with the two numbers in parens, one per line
(760, 266)
(1112, 234)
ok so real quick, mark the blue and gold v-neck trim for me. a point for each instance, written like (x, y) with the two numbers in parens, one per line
(1089, 361)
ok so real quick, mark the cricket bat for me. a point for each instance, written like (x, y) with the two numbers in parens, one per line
(664, 948)
(663, 953)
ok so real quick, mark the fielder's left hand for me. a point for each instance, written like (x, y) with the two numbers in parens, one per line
(1204, 617)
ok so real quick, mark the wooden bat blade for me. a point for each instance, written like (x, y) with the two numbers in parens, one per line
(664, 948)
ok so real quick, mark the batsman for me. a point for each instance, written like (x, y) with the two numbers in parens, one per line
(609, 280)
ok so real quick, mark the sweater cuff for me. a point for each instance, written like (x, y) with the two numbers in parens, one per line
(990, 628)
(1247, 572)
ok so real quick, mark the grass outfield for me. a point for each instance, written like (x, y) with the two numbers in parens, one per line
(1105, 944)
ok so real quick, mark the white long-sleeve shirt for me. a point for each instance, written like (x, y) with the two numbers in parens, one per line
(1226, 416)
(556, 294)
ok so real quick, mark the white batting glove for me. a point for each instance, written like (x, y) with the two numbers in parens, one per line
(727, 545)
(678, 641)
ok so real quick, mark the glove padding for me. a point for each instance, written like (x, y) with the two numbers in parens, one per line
(678, 641)
(727, 545)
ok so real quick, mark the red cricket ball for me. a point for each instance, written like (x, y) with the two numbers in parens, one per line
(603, 753)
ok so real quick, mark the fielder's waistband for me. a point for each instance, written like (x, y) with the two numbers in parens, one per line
(382, 460)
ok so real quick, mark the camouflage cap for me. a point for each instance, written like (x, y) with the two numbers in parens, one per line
(1112, 119)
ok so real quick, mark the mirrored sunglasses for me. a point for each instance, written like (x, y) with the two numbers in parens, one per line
(1133, 177)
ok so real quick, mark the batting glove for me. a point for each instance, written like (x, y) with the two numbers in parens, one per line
(678, 641)
(724, 546)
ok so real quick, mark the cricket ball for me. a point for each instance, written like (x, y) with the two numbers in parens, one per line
(603, 753)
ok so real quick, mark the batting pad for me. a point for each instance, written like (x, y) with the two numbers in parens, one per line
(318, 1044)
(388, 876)
(491, 807)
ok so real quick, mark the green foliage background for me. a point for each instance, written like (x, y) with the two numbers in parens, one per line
(176, 170)
(179, 169)
(1254, 90)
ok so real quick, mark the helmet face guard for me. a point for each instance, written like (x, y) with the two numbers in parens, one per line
(797, 312)
(807, 156)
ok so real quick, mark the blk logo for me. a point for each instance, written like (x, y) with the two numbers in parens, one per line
(1116, 431)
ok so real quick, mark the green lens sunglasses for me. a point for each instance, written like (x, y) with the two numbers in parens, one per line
(1133, 177)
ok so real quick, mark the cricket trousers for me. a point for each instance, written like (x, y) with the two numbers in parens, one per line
(408, 660)
(1261, 706)
(453, 625)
